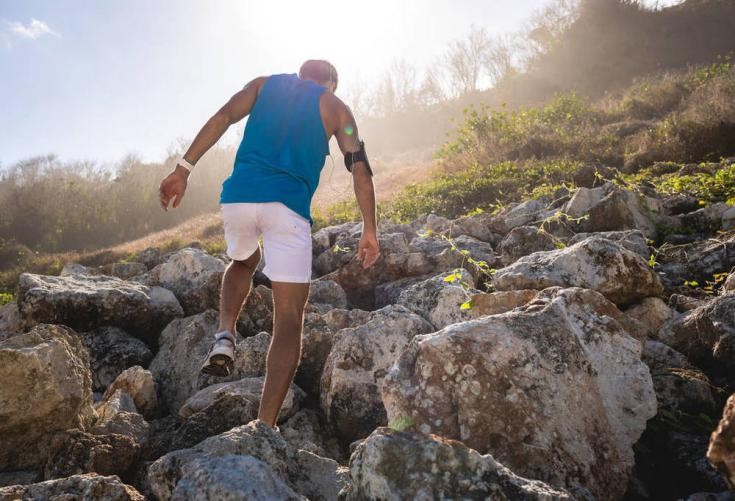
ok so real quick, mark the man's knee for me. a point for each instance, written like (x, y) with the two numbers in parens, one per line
(251, 262)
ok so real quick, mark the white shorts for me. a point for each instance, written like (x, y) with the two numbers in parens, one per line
(286, 238)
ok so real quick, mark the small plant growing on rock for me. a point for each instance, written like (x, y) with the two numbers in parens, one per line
(402, 423)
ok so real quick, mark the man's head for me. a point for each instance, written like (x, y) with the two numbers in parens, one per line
(320, 71)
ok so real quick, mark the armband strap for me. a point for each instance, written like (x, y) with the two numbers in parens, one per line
(357, 156)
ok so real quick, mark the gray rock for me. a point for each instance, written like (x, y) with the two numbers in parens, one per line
(327, 292)
(354, 370)
(87, 302)
(46, 386)
(231, 477)
(513, 385)
(696, 261)
(522, 241)
(339, 318)
(388, 292)
(184, 346)
(307, 474)
(633, 240)
(124, 270)
(118, 415)
(651, 313)
(438, 300)
(393, 465)
(139, 384)
(86, 486)
(594, 263)
(74, 452)
(111, 351)
(10, 321)
(305, 430)
(193, 276)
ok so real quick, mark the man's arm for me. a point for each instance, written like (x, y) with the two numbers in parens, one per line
(348, 141)
(238, 107)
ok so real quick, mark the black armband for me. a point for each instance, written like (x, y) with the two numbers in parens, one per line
(357, 156)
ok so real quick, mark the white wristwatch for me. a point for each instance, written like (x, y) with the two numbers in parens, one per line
(184, 163)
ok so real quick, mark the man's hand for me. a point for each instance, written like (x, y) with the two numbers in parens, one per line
(368, 249)
(173, 187)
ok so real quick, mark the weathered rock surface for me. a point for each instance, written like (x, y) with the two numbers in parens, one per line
(610, 207)
(139, 384)
(317, 339)
(698, 261)
(499, 302)
(307, 474)
(327, 293)
(512, 385)
(305, 430)
(439, 300)
(706, 335)
(354, 370)
(247, 390)
(185, 343)
(633, 240)
(680, 387)
(522, 241)
(193, 276)
(721, 451)
(86, 486)
(393, 465)
(111, 351)
(85, 302)
(118, 415)
(651, 313)
(46, 386)
(10, 321)
(594, 263)
(74, 452)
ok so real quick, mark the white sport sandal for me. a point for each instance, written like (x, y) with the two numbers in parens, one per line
(221, 357)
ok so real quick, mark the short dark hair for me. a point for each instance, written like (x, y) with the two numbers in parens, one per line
(320, 71)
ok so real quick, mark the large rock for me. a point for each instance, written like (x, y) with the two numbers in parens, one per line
(633, 240)
(594, 263)
(111, 351)
(513, 385)
(83, 487)
(721, 451)
(706, 335)
(85, 302)
(610, 207)
(184, 345)
(317, 339)
(193, 276)
(651, 313)
(394, 465)
(522, 241)
(74, 452)
(439, 300)
(10, 321)
(698, 261)
(327, 293)
(231, 477)
(354, 370)
(307, 474)
(248, 391)
(118, 415)
(306, 430)
(46, 386)
(680, 387)
(139, 384)
(492, 303)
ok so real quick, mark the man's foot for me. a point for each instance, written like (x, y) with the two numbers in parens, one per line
(221, 357)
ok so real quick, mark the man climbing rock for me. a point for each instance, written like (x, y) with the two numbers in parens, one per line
(276, 171)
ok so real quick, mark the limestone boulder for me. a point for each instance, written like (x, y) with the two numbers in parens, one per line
(85, 486)
(705, 335)
(651, 313)
(306, 430)
(85, 302)
(610, 207)
(388, 292)
(74, 452)
(184, 345)
(699, 261)
(395, 465)
(46, 387)
(528, 213)
(357, 364)
(492, 303)
(10, 321)
(721, 450)
(307, 474)
(633, 240)
(594, 263)
(340, 318)
(193, 276)
(248, 391)
(317, 338)
(513, 385)
(522, 241)
(680, 387)
(111, 351)
(439, 299)
(140, 385)
(118, 415)
(328, 293)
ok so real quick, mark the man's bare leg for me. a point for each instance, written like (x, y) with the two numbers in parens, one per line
(236, 283)
(284, 352)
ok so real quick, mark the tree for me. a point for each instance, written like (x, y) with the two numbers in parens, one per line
(465, 58)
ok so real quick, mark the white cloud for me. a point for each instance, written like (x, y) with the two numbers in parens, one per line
(32, 30)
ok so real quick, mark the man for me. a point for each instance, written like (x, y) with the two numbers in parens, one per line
(276, 171)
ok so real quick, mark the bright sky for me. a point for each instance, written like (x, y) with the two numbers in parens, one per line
(98, 80)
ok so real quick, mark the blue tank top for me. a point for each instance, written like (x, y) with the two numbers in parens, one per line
(283, 148)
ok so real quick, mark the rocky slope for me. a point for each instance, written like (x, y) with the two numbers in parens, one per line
(545, 352)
